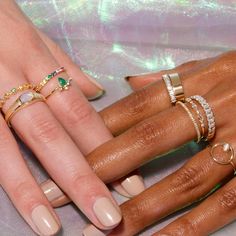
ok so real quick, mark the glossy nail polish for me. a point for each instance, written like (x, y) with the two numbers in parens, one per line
(91, 230)
(106, 212)
(44, 221)
(133, 185)
(119, 189)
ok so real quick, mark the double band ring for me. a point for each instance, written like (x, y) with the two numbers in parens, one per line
(40, 86)
(24, 100)
(200, 117)
(174, 87)
(218, 157)
(13, 92)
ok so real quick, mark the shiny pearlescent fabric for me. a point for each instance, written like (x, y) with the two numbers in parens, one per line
(112, 39)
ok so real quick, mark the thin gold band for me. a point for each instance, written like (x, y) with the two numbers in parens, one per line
(199, 115)
(63, 84)
(24, 100)
(192, 119)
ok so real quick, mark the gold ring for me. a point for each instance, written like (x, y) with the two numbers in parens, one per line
(174, 87)
(63, 84)
(199, 136)
(177, 87)
(13, 92)
(40, 86)
(226, 148)
(24, 100)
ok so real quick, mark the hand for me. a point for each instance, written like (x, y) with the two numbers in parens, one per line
(149, 126)
(53, 130)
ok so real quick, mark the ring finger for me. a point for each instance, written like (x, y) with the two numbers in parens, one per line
(39, 129)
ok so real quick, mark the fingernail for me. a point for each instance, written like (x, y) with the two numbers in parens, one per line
(119, 189)
(44, 221)
(91, 230)
(133, 185)
(127, 78)
(99, 86)
(51, 190)
(106, 212)
(54, 194)
(98, 95)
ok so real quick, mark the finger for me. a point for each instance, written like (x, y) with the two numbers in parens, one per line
(128, 186)
(82, 119)
(139, 81)
(190, 183)
(211, 215)
(154, 98)
(89, 86)
(39, 129)
(149, 138)
(22, 189)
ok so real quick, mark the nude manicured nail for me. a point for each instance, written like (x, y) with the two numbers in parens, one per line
(106, 212)
(44, 221)
(119, 189)
(51, 190)
(91, 230)
(133, 185)
(54, 194)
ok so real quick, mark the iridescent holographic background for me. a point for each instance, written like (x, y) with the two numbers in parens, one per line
(111, 39)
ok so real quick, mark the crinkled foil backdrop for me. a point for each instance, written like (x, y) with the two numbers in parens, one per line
(114, 38)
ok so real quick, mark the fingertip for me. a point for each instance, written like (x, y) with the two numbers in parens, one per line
(91, 230)
(133, 185)
(138, 82)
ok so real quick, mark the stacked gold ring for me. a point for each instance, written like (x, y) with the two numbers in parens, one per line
(174, 87)
(24, 100)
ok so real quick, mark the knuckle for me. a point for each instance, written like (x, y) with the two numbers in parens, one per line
(5, 139)
(137, 211)
(88, 184)
(23, 193)
(187, 178)
(184, 227)
(44, 129)
(227, 201)
(78, 111)
(137, 102)
(147, 133)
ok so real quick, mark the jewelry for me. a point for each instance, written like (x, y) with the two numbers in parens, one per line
(199, 115)
(209, 115)
(14, 91)
(193, 120)
(174, 87)
(24, 100)
(40, 86)
(63, 84)
(227, 148)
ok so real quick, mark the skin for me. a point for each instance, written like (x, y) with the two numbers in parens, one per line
(57, 139)
(148, 126)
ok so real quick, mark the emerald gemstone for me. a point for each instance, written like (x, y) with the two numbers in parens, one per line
(62, 82)
(49, 77)
(13, 90)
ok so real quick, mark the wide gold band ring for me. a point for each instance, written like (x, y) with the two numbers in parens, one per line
(174, 87)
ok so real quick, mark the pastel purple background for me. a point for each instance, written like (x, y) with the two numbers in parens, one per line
(111, 39)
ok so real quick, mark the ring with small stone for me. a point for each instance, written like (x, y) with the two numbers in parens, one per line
(63, 84)
(174, 87)
(24, 100)
(50, 76)
(217, 151)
